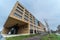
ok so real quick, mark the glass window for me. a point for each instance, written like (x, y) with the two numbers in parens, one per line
(17, 15)
(36, 21)
(19, 11)
(26, 16)
(30, 15)
(31, 21)
(26, 13)
(35, 31)
(26, 19)
(30, 18)
(31, 26)
(19, 8)
(31, 31)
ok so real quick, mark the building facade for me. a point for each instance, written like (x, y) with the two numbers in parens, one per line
(21, 21)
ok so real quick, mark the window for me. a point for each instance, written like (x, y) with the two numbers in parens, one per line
(31, 26)
(30, 18)
(31, 21)
(26, 16)
(19, 8)
(31, 31)
(17, 15)
(35, 31)
(19, 11)
(26, 13)
(30, 15)
(26, 19)
(36, 21)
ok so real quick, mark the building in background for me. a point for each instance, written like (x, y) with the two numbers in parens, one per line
(21, 21)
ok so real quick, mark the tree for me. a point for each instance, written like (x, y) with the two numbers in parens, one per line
(58, 28)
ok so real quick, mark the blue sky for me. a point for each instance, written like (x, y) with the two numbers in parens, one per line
(41, 9)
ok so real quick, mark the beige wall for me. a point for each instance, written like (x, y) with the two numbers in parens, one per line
(12, 20)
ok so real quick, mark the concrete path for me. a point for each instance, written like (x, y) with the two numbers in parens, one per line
(4, 35)
(33, 38)
(38, 37)
(57, 34)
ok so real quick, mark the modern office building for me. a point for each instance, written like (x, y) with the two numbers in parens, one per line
(21, 21)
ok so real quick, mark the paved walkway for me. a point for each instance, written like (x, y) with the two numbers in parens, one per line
(33, 38)
(38, 37)
(57, 34)
(13, 35)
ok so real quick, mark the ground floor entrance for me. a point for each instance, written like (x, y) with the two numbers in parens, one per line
(13, 26)
(14, 29)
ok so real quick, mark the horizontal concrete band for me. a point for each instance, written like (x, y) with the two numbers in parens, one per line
(5, 35)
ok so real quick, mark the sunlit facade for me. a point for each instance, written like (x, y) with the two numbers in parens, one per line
(21, 21)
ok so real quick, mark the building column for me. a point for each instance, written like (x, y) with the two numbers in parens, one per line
(5, 31)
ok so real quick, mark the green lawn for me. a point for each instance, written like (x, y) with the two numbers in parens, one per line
(48, 37)
(58, 37)
(20, 37)
(51, 37)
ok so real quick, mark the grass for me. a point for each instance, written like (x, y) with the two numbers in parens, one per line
(58, 37)
(20, 37)
(47, 37)
(51, 37)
